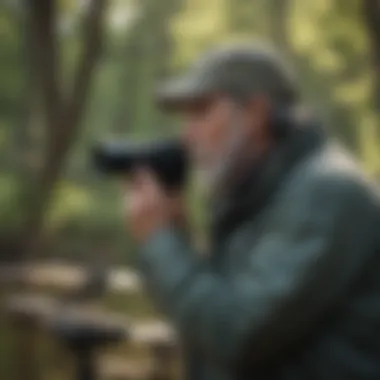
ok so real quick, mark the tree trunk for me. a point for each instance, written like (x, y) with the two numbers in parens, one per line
(371, 13)
(62, 113)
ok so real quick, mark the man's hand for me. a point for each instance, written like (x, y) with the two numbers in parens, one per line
(149, 208)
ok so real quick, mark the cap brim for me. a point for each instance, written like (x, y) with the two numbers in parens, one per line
(179, 92)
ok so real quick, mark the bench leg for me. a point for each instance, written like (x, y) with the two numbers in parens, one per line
(85, 365)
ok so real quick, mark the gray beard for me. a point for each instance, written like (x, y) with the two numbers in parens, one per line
(217, 180)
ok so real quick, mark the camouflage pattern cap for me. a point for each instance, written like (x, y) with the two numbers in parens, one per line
(239, 70)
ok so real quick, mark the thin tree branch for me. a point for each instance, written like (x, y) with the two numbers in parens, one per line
(42, 25)
(93, 32)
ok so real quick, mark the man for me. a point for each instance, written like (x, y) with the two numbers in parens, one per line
(291, 286)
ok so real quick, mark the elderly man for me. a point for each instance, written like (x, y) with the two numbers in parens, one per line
(291, 286)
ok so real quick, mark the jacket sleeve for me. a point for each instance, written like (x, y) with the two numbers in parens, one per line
(302, 267)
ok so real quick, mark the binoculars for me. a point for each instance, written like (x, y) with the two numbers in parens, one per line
(167, 159)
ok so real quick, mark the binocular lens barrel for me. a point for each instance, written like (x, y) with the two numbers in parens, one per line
(167, 159)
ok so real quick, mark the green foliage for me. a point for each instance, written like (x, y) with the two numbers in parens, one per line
(146, 40)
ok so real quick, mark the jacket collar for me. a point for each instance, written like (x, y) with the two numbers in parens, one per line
(263, 181)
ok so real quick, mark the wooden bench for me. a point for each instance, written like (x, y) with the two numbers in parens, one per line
(63, 277)
(87, 329)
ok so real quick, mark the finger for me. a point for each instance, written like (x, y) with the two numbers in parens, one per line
(154, 183)
(148, 182)
(137, 179)
(146, 174)
(134, 205)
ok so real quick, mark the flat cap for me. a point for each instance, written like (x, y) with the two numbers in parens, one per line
(236, 69)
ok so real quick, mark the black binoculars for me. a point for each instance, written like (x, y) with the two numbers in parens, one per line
(167, 159)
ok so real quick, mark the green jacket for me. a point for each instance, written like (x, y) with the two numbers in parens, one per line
(291, 289)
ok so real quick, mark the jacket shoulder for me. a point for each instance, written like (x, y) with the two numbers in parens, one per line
(333, 168)
(330, 179)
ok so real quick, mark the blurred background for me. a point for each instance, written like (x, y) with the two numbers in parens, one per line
(75, 71)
